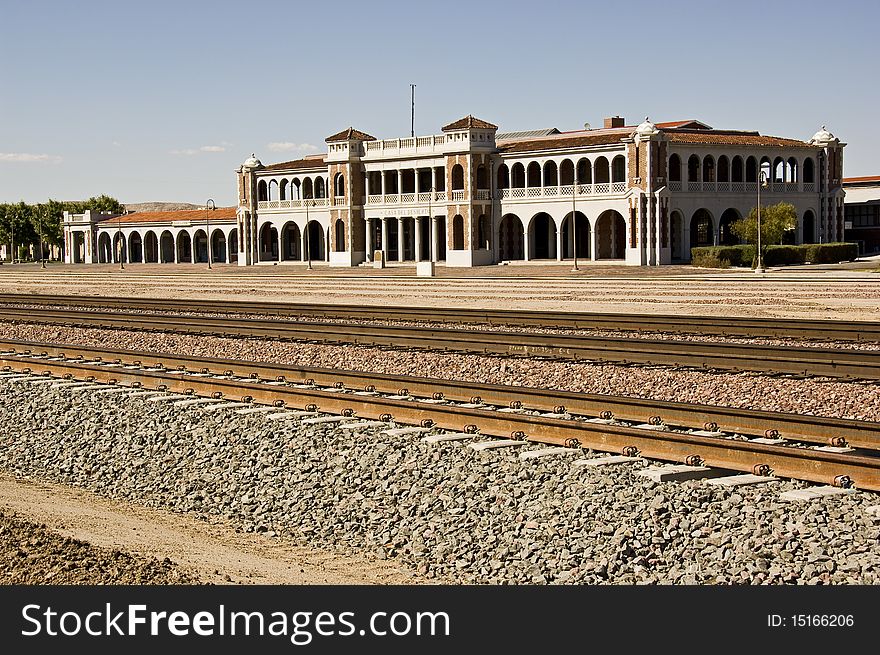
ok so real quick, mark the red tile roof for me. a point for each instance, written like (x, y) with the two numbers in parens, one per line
(864, 179)
(312, 161)
(692, 121)
(350, 134)
(732, 138)
(221, 213)
(467, 122)
(566, 140)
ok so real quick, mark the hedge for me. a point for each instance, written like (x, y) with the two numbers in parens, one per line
(813, 253)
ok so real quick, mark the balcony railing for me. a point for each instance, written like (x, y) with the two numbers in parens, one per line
(482, 194)
(422, 198)
(602, 188)
(457, 195)
(294, 204)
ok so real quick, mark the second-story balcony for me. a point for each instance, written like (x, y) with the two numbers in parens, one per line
(741, 187)
(299, 203)
(564, 191)
(407, 198)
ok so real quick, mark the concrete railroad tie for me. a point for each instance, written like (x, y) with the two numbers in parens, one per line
(814, 493)
(605, 461)
(547, 452)
(498, 443)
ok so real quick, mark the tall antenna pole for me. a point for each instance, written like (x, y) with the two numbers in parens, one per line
(413, 115)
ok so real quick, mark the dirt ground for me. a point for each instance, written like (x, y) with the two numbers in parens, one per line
(211, 553)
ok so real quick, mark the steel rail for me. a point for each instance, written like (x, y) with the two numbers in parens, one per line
(839, 469)
(811, 429)
(831, 362)
(714, 325)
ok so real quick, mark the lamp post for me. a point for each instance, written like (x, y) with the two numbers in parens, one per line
(430, 225)
(42, 260)
(574, 222)
(762, 180)
(208, 205)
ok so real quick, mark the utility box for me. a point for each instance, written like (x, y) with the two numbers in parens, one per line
(378, 259)
(425, 269)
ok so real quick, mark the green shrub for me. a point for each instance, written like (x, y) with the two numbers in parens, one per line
(708, 258)
(830, 253)
(815, 253)
(784, 255)
(733, 255)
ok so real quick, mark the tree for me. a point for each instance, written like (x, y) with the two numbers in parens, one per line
(775, 221)
(15, 226)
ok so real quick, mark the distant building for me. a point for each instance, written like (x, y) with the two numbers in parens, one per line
(469, 196)
(862, 212)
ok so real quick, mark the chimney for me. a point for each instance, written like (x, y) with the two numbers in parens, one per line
(614, 121)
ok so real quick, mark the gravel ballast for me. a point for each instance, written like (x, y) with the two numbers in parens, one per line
(812, 396)
(449, 513)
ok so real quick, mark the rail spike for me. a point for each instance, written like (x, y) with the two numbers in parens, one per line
(630, 451)
(572, 443)
(278, 403)
(710, 426)
(843, 481)
(838, 442)
(764, 470)
(694, 460)
(470, 428)
(476, 400)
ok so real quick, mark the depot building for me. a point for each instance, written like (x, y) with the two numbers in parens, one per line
(472, 196)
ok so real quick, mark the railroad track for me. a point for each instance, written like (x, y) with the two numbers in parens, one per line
(831, 362)
(706, 325)
(523, 418)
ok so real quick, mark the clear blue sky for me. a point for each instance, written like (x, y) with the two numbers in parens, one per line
(161, 101)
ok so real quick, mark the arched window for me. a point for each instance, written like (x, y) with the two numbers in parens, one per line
(737, 169)
(339, 185)
(584, 171)
(503, 177)
(483, 232)
(533, 174)
(693, 168)
(307, 188)
(751, 170)
(708, 168)
(273, 190)
(723, 169)
(457, 178)
(674, 168)
(320, 188)
(518, 176)
(458, 233)
(779, 170)
(551, 177)
(791, 170)
(262, 191)
(766, 168)
(566, 173)
(809, 171)
(283, 189)
(295, 191)
(618, 169)
(482, 177)
(339, 235)
(600, 170)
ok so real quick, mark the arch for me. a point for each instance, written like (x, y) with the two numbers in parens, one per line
(542, 236)
(579, 232)
(314, 241)
(751, 169)
(484, 233)
(262, 191)
(184, 247)
(510, 238)
(726, 237)
(809, 227)
(273, 190)
(457, 178)
(282, 190)
(482, 177)
(320, 188)
(120, 248)
(135, 248)
(766, 168)
(600, 171)
(457, 232)
(339, 235)
(791, 170)
(291, 242)
(708, 168)
(736, 170)
(232, 245)
(78, 256)
(676, 233)
(702, 229)
(723, 169)
(339, 185)
(809, 171)
(610, 235)
(584, 171)
(105, 249)
(518, 176)
(295, 189)
(566, 172)
(307, 190)
(218, 246)
(268, 243)
(167, 247)
(503, 177)
(618, 169)
(551, 174)
(778, 170)
(200, 247)
(693, 168)
(674, 168)
(151, 248)
(533, 174)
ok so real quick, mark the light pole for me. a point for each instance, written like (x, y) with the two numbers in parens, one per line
(42, 260)
(430, 225)
(574, 223)
(762, 180)
(208, 205)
